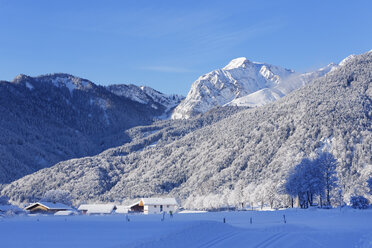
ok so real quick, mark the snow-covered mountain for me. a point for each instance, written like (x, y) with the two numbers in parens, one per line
(50, 118)
(147, 95)
(285, 86)
(208, 161)
(242, 83)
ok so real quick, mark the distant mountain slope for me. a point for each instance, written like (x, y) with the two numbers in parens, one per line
(284, 87)
(47, 119)
(242, 83)
(146, 95)
(245, 156)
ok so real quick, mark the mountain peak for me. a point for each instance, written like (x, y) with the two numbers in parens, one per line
(239, 78)
(20, 77)
(237, 63)
(147, 95)
(347, 59)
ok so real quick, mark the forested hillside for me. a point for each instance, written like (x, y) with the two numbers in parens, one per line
(245, 157)
(51, 118)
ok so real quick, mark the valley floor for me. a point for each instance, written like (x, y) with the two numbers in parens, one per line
(303, 228)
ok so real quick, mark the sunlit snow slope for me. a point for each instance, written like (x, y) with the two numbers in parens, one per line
(243, 83)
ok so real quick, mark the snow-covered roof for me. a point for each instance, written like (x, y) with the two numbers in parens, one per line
(50, 205)
(65, 213)
(97, 208)
(159, 201)
(121, 209)
(134, 204)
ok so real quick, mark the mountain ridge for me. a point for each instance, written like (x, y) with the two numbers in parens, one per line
(247, 155)
(54, 117)
(243, 83)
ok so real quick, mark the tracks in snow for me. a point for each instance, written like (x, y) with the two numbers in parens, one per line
(213, 242)
(271, 241)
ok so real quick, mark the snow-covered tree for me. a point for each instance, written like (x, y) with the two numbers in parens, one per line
(305, 181)
(327, 164)
(57, 195)
(312, 178)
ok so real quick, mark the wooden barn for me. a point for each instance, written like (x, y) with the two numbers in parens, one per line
(47, 207)
(155, 205)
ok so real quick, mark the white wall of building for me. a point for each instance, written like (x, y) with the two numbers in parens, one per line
(157, 209)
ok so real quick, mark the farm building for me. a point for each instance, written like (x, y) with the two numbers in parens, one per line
(122, 209)
(97, 208)
(47, 207)
(155, 205)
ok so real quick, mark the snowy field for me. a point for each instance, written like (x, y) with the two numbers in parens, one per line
(304, 228)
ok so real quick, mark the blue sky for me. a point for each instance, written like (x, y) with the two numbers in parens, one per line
(168, 44)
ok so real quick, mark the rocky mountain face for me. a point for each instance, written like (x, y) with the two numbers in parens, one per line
(243, 83)
(47, 119)
(146, 95)
(211, 161)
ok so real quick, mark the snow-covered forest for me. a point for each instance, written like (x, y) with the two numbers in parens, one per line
(51, 118)
(235, 157)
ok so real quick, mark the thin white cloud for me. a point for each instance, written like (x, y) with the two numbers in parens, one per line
(166, 69)
(230, 37)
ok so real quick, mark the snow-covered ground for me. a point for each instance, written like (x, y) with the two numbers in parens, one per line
(304, 228)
